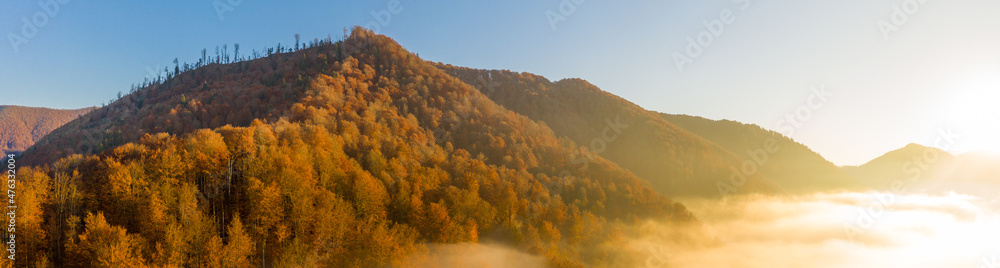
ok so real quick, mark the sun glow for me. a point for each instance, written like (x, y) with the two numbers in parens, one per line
(974, 111)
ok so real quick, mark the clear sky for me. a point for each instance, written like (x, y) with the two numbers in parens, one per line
(896, 76)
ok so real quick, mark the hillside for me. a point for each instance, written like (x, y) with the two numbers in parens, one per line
(790, 164)
(911, 164)
(674, 161)
(917, 168)
(20, 127)
(354, 153)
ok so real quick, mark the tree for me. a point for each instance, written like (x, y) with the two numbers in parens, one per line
(204, 57)
(34, 191)
(236, 51)
(344, 172)
(154, 217)
(265, 210)
(370, 197)
(238, 247)
(437, 223)
(171, 251)
(296, 41)
(107, 245)
(375, 162)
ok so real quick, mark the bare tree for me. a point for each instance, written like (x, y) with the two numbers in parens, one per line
(296, 41)
(204, 57)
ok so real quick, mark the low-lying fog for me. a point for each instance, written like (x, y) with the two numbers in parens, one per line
(870, 229)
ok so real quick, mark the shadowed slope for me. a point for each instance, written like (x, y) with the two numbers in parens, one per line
(674, 161)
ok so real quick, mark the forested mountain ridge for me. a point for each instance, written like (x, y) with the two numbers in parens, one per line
(354, 153)
(792, 165)
(899, 164)
(673, 160)
(21, 126)
(210, 96)
(918, 168)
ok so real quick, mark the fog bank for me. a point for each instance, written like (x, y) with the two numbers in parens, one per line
(869, 229)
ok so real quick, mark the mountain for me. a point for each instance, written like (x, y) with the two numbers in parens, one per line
(354, 153)
(673, 160)
(20, 127)
(918, 168)
(790, 164)
(911, 164)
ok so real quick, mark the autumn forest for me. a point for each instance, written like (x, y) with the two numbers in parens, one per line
(353, 153)
(500, 134)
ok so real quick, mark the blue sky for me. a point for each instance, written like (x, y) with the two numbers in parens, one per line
(933, 73)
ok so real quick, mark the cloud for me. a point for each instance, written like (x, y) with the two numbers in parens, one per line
(809, 231)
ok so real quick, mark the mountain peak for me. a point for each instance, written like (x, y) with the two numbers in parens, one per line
(914, 146)
(914, 149)
(880, 172)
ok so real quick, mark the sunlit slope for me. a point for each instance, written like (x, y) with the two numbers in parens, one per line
(791, 165)
(674, 161)
(918, 168)
(911, 164)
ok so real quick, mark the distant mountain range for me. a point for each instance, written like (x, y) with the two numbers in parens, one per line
(20, 127)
